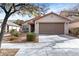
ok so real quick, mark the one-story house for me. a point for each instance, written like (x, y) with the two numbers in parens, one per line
(50, 23)
(10, 25)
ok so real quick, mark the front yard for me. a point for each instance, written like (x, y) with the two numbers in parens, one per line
(20, 39)
(47, 46)
(8, 52)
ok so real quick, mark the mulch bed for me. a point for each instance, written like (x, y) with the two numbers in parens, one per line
(8, 52)
(21, 39)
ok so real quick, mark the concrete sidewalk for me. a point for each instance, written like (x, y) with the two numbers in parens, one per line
(48, 51)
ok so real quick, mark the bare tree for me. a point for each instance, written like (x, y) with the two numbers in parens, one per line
(19, 8)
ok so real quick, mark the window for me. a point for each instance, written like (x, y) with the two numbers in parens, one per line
(25, 28)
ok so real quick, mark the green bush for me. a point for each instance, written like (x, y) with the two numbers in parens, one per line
(13, 32)
(31, 36)
(74, 31)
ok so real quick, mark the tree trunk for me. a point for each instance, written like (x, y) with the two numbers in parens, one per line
(3, 28)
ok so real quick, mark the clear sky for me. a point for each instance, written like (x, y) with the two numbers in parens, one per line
(54, 7)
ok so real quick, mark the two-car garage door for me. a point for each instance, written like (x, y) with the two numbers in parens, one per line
(51, 28)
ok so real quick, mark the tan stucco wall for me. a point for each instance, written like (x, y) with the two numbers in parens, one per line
(51, 19)
(74, 25)
(66, 28)
(36, 27)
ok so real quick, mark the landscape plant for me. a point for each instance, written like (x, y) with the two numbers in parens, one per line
(14, 32)
(31, 37)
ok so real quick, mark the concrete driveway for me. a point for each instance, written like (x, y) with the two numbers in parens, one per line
(55, 38)
(47, 46)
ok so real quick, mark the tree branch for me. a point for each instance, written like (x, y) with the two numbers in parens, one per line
(13, 12)
(10, 9)
(4, 9)
(19, 4)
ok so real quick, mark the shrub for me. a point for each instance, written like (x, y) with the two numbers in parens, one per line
(74, 31)
(14, 33)
(13, 30)
(31, 36)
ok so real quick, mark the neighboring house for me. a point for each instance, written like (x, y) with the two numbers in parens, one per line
(10, 25)
(74, 24)
(50, 23)
(69, 13)
(73, 16)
